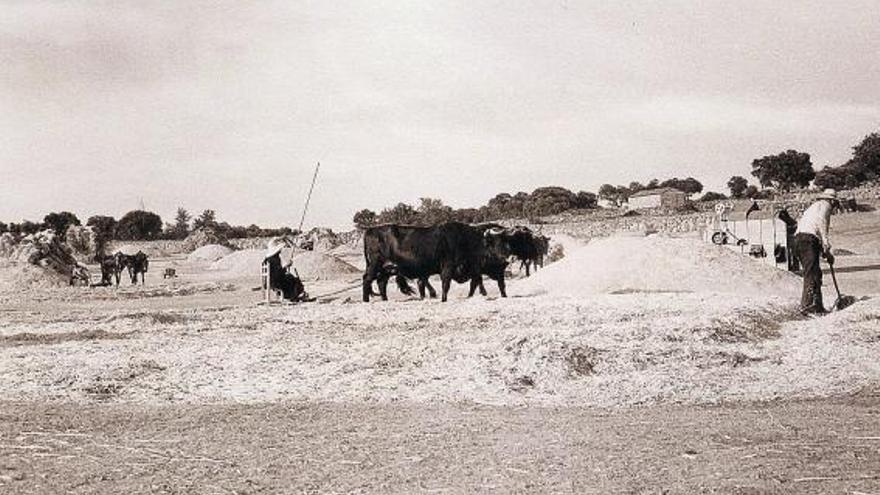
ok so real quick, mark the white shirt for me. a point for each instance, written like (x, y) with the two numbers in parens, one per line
(816, 221)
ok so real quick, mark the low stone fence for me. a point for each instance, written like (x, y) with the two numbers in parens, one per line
(589, 225)
(604, 227)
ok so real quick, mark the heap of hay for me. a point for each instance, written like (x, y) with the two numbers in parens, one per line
(7, 245)
(659, 264)
(241, 263)
(555, 253)
(211, 252)
(203, 237)
(38, 260)
(318, 266)
(310, 265)
(17, 276)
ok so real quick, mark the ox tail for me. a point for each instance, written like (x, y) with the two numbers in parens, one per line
(403, 285)
(366, 256)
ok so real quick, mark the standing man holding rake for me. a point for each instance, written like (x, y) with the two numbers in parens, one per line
(811, 242)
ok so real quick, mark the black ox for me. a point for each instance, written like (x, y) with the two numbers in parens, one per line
(493, 264)
(529, 248)
(135, 264)
(453, 250)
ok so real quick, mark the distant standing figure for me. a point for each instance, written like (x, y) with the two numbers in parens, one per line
(812, 242)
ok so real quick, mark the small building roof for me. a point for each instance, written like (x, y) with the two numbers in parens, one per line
(655, 192)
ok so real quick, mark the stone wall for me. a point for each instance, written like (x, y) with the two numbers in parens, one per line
(604, 227)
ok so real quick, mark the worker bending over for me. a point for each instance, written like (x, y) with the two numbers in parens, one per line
(812, 242)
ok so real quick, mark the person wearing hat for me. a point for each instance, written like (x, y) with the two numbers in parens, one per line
(280, 278)
(811, 242)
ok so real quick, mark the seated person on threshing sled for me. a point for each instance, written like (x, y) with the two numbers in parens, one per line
(280, 278)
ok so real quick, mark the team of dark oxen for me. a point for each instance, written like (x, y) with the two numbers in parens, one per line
(113, 265)
(455, 251)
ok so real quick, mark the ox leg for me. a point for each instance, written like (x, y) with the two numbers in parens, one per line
(367, 287)
(403, 285)
(368, 284)
(431, 292)
(382, 282)
(502, 286)
(527, 263)
(371, 273)
(445, 282)
(421, 285)
(475, 282)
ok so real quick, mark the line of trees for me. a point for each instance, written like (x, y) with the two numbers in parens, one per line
(542, 201)
(782, 172)
(185, 223)
(140, 225)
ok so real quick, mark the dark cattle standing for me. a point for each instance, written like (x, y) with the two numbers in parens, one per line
(453, 250)
(136, 264)
(493, 264)
(541, 246)
(111, 267)
(529, 248)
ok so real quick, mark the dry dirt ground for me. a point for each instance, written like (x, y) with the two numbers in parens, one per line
(815, 447)
(678, 368)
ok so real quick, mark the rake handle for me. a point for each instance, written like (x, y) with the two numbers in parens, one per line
(834, 278)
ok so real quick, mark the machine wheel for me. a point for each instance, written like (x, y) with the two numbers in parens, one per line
(719, 238)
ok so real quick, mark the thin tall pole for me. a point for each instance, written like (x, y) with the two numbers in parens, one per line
(309, 197)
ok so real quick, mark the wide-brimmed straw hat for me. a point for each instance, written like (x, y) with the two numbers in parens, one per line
(829, 194)
(273, 249)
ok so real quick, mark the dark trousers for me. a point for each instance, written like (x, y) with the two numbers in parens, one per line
(290, 286)
(809, 250)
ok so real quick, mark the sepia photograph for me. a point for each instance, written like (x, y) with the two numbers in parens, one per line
(439, 247)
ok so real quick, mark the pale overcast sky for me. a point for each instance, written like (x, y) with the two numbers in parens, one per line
(228, 105)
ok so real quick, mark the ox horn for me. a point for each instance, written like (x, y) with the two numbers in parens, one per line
(494, 231)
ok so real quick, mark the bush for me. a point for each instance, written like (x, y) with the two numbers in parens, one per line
(365, 219)
(139, 225)
(785, 170)
(59, 222)
(713, 196)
